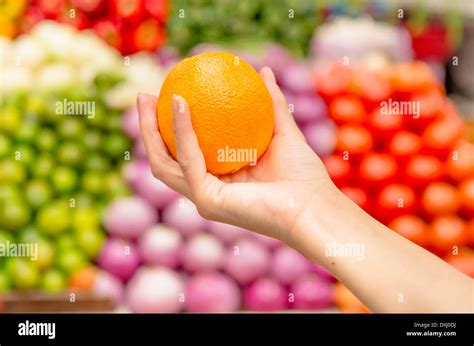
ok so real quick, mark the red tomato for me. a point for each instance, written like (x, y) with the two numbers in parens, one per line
(157, 8)
(148, 36)
(128, 9)
(51, 8)
(441, 136)
(371, 86)
(79, 21)
(357, 195)
(470, 232)
(405, 144)
(395, 200)
(446, 232)
(346, 109)
(426, 108)
(440, 198)
(384, 126)
(422, 169)
(353, 139)
(376, 169)
(338, 168)
(411, 227)
(466, 190)
(90, 6)
(109, 31)
(412, 77)
(460, 163)
(463, 261)
(333, 80)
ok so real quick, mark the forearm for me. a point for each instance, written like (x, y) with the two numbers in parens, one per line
(385, 271)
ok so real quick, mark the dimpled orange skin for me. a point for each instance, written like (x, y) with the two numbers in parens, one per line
(229, 103)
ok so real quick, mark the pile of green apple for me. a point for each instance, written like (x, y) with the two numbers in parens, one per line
(57, 174)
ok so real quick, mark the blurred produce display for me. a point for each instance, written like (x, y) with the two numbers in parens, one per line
(401, 153)
(75, 179)
(61, 151)
(129, 26)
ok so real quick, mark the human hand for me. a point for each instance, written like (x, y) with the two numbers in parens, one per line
(267, 198)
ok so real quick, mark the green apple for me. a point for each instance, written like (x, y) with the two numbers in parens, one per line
(46, 140)
(65, 242)
(72, 128)
(96, 162)
(27, 131)
(54, 218)
(93, 182)
(90, 241)
(29, 234)
(43, 165)
(14, 214)
(70, 153)
(71, 260)
(46, 254)
(38, 192)
(11, 119)
(64, 179)
(12, 170)
(23, 272)
(25, 154)
(93, 139)
(84, 218)
(53, 280)
(116, 144)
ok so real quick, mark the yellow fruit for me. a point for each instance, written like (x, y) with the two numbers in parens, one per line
(231, 109)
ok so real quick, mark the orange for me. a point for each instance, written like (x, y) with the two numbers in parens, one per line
(231, 109)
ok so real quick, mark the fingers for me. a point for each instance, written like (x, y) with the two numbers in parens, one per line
(284, 122)
(163, 165)
(190, 157)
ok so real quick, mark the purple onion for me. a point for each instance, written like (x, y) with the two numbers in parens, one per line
(161, 245)
(288, 265)
(212, 293)
(265, 294)
(321, 136)
(119, 257)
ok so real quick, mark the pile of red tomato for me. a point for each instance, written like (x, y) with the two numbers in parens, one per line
(401, 154)
(127, 25)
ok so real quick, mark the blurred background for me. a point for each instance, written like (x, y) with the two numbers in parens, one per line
(105, 235)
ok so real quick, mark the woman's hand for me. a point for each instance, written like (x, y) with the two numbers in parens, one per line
(267, 198)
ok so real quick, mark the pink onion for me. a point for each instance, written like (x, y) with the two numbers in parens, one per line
(161, 245)
(107, 285)
(247, 260)
(151, 189)
(130, 124)
(225, 232)
(321, 137)
(288, 265)
(129, 217)
(203, 251)
(182, 215)
(310, 292)
(308, 108)
(155, 289)
(119, 257)
(298, 79)
(265, 294)
(212, 292)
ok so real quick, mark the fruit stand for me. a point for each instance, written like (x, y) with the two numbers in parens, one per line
(101, 233)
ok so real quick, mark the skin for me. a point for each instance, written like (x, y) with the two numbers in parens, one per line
(288, 195)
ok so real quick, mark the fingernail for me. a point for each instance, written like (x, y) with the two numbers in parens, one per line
(178, 106)
(270, 74)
